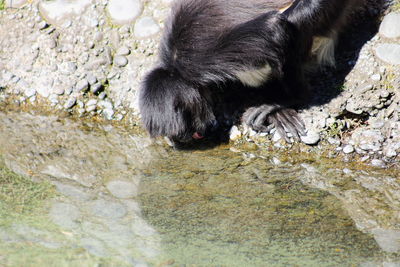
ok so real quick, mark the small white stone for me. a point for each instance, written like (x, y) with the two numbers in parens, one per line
(311, 138)
(123, 51)
(347, 149)
(124, 11)
(91, 102)
(146, 27)
(235, 133)
(390, 25)
(276, 161)
(120, 61)
(376, 77)
(29, 92)
(276, 137)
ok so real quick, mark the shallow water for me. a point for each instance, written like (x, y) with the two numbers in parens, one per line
(122, 200)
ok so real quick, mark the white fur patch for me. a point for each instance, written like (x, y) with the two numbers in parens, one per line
(324, 49)
(254, 77)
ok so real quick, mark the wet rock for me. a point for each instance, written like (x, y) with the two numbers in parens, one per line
(388, 240)
(122, 189)
(390, 53)
(107, 209)
(311, 138)
(94, 247)
(64, 215)
(72, 191)
(146, 27)
(124, 11)
(389, 27)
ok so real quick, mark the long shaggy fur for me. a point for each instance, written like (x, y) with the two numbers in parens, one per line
(209, 45)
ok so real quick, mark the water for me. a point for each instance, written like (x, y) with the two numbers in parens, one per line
(104, 194)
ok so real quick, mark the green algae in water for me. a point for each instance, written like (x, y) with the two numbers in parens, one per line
(27, 237)
(19, 196)
(230, 213)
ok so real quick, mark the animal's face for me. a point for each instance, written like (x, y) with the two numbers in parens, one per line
(172, 107)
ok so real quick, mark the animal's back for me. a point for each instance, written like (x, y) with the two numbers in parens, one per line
(195, 28)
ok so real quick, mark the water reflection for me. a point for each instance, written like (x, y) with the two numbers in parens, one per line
(134, 203)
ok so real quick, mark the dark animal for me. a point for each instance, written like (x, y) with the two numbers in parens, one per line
(213, 46)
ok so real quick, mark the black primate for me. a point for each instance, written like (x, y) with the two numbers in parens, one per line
(255, 45)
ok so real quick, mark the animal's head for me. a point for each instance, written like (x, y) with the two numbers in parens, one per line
(173, 107)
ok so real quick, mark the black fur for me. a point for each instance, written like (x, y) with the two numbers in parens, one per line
(207, 43)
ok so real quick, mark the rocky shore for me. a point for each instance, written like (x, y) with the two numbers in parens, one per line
(88, 58)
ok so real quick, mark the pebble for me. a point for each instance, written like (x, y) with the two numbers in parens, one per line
(376, 123)
(15, 3)
(91, 102)
(389, 27)
(378, 163)
(108, 114)
(120, 61)
(123, 51)
(235, 133)
(389, 53)
(82, 86)
(276, 137)
(91, 108)
(42, 25)
(57, 10)
(95, 87)
(376, 77)
(29, 92)
(67, 68)
(91, 78)
(347, 149)
(146, 27)
(276, 161)
(102, 95)
(333, 141)
(311, 138)
(122, 189)
(70, 102)
(124, 11)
